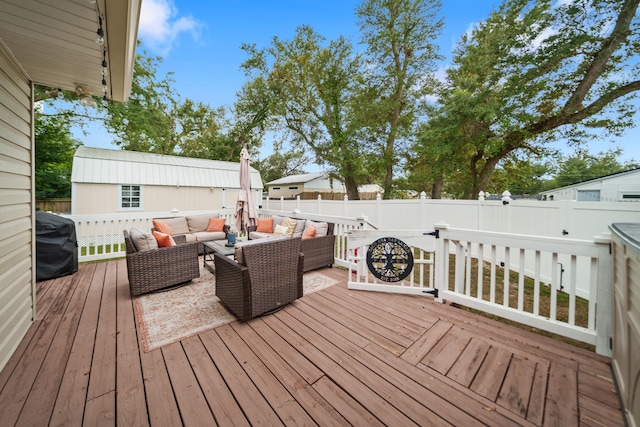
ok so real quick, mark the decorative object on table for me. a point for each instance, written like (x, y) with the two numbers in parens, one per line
(168, 316)
(231, 236)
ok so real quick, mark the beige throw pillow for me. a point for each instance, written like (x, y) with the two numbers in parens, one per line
(143, 241)
(281, 230)
(290, 224)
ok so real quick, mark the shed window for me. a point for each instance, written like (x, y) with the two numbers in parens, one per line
(130, 197)
(293, 188)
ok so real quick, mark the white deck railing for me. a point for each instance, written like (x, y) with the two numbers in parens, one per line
(501, 274)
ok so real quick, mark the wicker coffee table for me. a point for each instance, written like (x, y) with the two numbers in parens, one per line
(216, 246)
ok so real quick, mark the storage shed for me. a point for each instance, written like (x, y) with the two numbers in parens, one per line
(617, 187)
(307, 186)
(115, 181)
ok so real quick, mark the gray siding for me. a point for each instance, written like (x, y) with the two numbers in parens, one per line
(17, 276)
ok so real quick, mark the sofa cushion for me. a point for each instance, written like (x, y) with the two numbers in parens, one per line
(215, 224)
(277, 220)
(253, 235)
(321, 227)
(207, 236)
(200, 222)
(239, 254)
(164, 240)
(162, 226)
(265, 225)
(178, 225)
(300, 224)
(142, 240)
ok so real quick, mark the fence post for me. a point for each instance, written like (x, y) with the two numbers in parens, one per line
(423, 203)
(345, 205)
(298, 202)
(441, 282)
(319, 204)
(506, 200)
(604, 308)
(480, 210)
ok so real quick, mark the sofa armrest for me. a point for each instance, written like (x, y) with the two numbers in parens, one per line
(318, 252)
(158, 268)
(233, 286)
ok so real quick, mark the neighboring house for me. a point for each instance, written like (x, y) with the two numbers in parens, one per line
(307, 186)
(370, 191)
(114, 181)
(52, 44)
(620, 187)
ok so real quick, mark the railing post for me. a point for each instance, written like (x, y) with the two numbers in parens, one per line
(345, 206)
(604, 309)
(319, 204)
(442, 255)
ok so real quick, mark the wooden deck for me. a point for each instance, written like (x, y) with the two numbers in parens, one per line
(335, 357)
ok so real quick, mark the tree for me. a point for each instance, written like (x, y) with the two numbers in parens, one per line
(306, 90)
(155, 120)
(401, 55)
(281, 163)
(54, 149)
(531, 74)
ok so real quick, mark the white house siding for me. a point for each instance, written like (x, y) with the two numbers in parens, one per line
(622, 187)
(105, 198)
(17, 242)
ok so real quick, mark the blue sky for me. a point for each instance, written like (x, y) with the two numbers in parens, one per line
(200, 43)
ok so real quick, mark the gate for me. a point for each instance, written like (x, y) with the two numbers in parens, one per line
(400, 261)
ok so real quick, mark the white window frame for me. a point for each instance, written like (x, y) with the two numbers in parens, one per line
(120, 198)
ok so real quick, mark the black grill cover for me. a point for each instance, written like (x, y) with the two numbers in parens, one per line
(56, 246)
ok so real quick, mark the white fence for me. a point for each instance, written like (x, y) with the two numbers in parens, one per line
(463, 266)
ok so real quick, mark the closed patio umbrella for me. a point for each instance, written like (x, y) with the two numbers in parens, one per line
(245, 208)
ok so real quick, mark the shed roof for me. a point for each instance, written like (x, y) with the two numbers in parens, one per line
(591, 181)
(99, 165)
(297, 179)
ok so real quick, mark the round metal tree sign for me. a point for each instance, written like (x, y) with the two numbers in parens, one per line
(389, 259)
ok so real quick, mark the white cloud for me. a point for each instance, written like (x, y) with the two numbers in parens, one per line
(160, 25)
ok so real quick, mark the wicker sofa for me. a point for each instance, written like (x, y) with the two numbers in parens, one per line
(318, 251)
(154, 269)
(265, 278)
(193, 228)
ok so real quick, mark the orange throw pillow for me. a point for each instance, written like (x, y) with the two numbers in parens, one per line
(216, 224)
(265, 225)
(309, 232)
(164, 240)
(162, 227)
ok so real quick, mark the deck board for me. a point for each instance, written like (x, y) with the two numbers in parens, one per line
(335, 357)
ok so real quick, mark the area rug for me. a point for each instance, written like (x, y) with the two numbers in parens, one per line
(172, 315)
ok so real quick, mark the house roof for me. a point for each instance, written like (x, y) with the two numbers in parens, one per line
(55, 42)
(297, 179)
(602, 178)
(98, 165)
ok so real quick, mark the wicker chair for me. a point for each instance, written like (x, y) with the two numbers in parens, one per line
(161, 268)
(271, 278)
